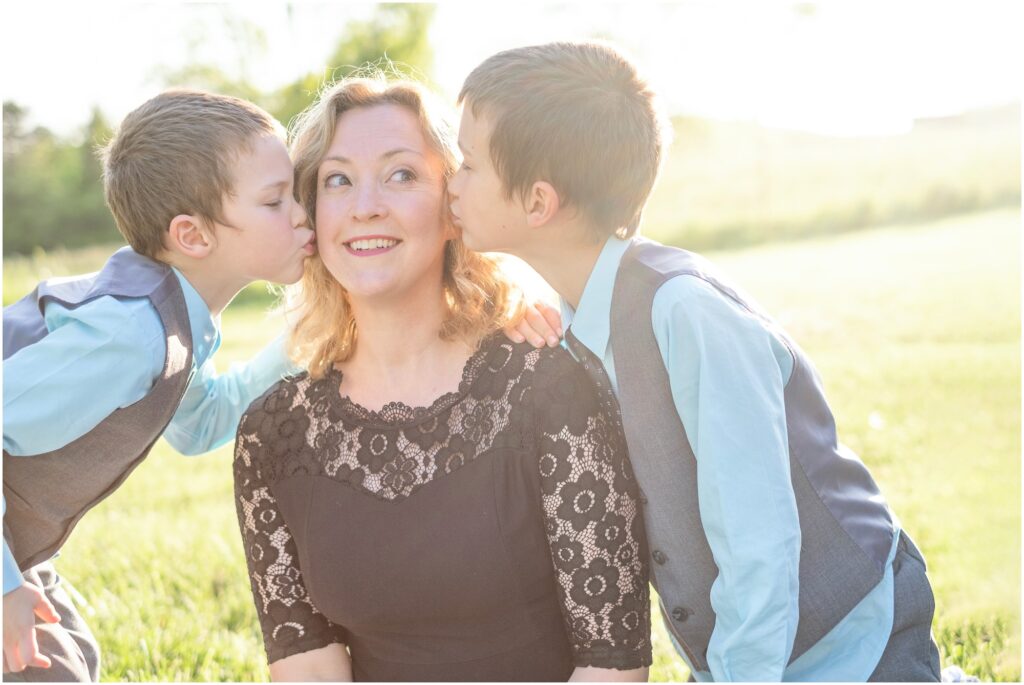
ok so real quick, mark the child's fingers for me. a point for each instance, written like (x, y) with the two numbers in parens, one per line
(12, 658)
(40, 661)
(553, 317)
(526, 329)
(45, 610)
(537, 329)
(12, 649)
(30, 654)
(513, 334)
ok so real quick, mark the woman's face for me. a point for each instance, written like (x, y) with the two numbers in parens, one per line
(381, 222)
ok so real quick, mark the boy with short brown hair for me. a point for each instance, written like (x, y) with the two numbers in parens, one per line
(773, 551)
(96, 367)
(177, 150)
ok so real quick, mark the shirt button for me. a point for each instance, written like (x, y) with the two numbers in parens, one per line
(659, 556)
(681, 614)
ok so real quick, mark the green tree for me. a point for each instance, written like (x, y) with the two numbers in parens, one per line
(248, 43)
(396, 33)
(53, 189)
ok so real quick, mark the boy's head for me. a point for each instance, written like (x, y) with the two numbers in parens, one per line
(195, 178)
(574, 118)
(174, 155)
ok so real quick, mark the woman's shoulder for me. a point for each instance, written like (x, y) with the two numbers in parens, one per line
(275, 426)
(282, 395)
(282, 411)
(521, 363)
(547, 378)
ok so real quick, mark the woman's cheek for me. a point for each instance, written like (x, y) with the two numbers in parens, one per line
(326, 220)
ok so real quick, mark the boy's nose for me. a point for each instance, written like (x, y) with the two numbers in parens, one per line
(299, 216)
(453, 185)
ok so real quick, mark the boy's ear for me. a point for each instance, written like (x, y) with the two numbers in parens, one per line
(189, 236)
(542, 203)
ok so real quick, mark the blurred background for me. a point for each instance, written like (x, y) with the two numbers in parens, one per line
(791, 119)
(855, 165)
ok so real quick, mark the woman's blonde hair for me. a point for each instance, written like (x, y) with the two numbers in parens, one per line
(479, 298)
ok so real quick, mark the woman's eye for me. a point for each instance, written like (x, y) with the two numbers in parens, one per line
(403, 176)
(336, 180)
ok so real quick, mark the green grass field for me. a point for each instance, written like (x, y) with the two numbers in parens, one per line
(915, 330)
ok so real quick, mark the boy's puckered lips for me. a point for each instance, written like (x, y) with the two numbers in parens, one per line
(371, 245)
(310, 247)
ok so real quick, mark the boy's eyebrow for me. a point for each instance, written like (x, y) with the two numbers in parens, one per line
(462, 147)
(390, 153)
(276, 184)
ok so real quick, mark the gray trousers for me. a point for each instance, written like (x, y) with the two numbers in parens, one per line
(72, 649)
(911, 654)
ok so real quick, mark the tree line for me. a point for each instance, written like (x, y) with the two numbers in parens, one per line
(53, 186)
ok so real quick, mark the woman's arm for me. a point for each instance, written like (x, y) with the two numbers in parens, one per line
(327, 664)
(594, 527)
(295, 633)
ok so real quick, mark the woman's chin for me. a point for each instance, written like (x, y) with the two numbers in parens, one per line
(375, 289)
(390, 284)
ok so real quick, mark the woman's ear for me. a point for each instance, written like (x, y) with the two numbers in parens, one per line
(189, 236)
(542, 203)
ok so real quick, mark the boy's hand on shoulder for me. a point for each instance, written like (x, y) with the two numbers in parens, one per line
(540, 324)
(21, 606)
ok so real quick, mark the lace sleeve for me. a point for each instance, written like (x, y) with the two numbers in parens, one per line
(288, 619)
(594, 524)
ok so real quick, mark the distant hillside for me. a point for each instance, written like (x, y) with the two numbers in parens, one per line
(729, 183)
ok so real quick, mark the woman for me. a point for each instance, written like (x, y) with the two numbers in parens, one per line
(448, 504)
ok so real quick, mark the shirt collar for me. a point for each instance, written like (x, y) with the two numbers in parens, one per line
(591, 319)
(205, 328)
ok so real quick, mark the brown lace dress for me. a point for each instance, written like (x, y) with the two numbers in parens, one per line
(494, 535)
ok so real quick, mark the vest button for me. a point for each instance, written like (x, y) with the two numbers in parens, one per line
(681, 614)
(659, 556)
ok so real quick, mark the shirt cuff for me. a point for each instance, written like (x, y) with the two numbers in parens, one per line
(12, 574)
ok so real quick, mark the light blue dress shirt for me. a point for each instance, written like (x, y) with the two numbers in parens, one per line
(728, 373)
(106, 354)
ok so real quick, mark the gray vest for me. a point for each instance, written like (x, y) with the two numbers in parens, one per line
(48, 493)
(845, 524)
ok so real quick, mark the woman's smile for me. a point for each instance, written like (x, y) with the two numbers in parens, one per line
(371, 245)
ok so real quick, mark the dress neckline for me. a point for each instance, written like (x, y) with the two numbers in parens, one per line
(398, 414)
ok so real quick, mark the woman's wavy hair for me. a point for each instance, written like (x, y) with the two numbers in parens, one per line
(480, 299)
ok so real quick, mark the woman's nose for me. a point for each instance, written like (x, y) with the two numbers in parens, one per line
(368, 204)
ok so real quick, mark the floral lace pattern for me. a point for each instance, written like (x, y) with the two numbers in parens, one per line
(510, 396)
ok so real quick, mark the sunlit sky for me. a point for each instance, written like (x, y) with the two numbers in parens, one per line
(839, 67)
